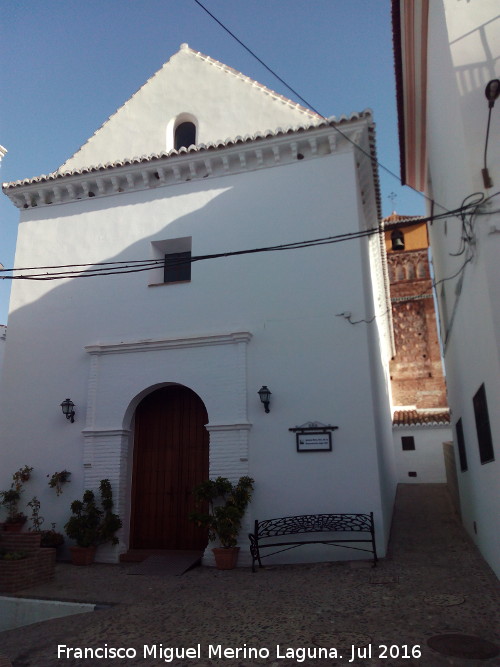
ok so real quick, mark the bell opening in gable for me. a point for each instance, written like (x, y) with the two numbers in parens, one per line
(185, 135)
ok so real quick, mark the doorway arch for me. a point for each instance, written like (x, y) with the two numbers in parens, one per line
(171, 456)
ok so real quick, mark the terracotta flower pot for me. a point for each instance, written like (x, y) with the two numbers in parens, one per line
(226, 558)
(82, 555)
(14, 527)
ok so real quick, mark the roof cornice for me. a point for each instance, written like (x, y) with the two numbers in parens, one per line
(249, 153)
(410, 33)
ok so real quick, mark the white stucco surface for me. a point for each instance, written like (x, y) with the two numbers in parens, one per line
(463, 57)
(240, 322)
(427, 459)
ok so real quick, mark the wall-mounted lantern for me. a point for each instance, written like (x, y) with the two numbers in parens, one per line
(492, 91)
(68, 408)
(264, 395)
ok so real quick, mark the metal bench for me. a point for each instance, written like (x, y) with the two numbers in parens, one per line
(266, 532)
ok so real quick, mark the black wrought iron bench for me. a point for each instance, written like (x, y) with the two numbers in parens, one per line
(266, 532)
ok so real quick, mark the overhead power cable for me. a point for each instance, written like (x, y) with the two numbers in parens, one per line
(135, 266)
(88, 270)
(372, 158)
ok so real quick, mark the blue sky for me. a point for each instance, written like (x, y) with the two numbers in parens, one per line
(67, 66)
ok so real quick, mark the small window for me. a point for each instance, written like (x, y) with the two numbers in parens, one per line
(172, 261)
(177, 267)
(408, 443)
(462, 454)
(185, 135)
(398, 240)
(483, 429)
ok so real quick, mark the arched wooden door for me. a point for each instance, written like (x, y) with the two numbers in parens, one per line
(170, 458)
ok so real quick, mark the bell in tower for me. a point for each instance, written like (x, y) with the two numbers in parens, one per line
(398, 240)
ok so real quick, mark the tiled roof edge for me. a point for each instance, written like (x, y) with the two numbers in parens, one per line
(405, 418)
(333, 121)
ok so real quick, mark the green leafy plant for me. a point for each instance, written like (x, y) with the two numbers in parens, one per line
(226, 504)
(51, 538)
(10, 500)
(35, 518)
(91, 523)
(57, 480)
(12, 555)
(21, 476)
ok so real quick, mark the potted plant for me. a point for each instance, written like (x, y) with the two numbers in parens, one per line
(51, 538)
(10, 500)
(15, 519)
(220, 506)
(57, 480)
(91, 524)
(21, 476)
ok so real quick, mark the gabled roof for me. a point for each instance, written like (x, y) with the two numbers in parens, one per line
(131, 152)
(221, 101)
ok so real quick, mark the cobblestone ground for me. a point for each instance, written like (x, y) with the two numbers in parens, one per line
(433, 582)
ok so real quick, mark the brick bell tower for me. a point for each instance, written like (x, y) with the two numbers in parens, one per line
(417, 378)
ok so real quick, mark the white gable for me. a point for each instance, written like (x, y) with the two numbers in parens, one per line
(222, 103)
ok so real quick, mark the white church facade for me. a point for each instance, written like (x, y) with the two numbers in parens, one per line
(158, 338)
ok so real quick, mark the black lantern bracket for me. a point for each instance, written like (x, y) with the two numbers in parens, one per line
(314, 437)
(68, 408)
(265, 396)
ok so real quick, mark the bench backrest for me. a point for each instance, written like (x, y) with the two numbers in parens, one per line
(314, 523)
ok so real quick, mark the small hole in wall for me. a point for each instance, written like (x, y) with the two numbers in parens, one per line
(300, 156)
(91, 194)
(412, 474)
(475, 527)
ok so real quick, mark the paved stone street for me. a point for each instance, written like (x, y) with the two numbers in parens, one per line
(433, 583)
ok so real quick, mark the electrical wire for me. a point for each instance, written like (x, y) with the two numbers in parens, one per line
(470, 209)
(371, 157)
(135, 266)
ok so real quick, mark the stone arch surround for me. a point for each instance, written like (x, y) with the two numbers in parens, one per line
(122, 374)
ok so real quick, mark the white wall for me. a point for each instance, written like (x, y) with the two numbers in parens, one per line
(316, 365)
(464, 55)
(3, 335)
(426, 459)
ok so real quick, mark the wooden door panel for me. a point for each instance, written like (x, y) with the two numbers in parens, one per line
(170, 458)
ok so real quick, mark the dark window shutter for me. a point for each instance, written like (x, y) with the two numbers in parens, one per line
(407, 442)
(462, 454)
(483, 428)
(177, 267)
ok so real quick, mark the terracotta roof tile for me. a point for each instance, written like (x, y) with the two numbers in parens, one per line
(420, 417)
(333, 121)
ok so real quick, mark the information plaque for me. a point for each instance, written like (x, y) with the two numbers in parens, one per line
(314, 437)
